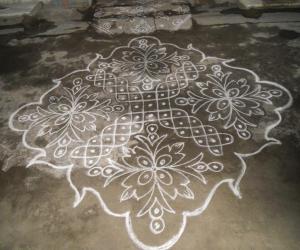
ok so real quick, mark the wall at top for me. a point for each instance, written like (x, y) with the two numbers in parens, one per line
(57, 3)
(78, 3)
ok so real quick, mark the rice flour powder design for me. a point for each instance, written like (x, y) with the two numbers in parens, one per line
(153, 131)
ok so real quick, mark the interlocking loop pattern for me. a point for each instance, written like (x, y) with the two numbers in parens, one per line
(152, 131)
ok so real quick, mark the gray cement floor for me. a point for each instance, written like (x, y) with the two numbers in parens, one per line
(36, 203)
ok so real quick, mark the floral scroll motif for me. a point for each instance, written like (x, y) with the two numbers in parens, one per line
(232, 100)
(154, 173)
(147, 62)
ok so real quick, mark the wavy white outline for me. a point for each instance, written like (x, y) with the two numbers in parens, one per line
(232, 183)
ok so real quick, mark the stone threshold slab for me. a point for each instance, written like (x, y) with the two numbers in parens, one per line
(142, 25)
(215, 17)
(268, 4)
(141, 10)
(133, 3)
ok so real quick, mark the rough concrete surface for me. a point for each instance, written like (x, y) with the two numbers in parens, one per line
(36, 203)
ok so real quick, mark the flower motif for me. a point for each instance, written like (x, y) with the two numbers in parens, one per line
(68, 113)
(154, 165)
(67, 118)
(230, 100)
(155, 173)
(72, 113)
(146, 62)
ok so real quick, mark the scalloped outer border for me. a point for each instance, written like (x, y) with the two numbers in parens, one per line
(232, 183)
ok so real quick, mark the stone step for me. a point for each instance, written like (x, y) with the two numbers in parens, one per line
(12, 14)
(268, 4)
(115, 3)
(142, 16)
(153, 9)
(142, 25)
(214, 17)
